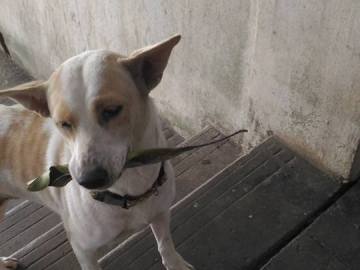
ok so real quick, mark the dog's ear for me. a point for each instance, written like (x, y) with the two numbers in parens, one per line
(31, 95)
(148, 64)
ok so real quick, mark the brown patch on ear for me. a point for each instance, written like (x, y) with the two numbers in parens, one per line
(31, 95)
(59, 109)
(148, 64)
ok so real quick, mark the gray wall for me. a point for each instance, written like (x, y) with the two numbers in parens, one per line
(288, 67)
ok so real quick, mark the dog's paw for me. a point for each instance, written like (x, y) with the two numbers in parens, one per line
(7, 263)
(179, 264)
(185, 266)
(188, 266)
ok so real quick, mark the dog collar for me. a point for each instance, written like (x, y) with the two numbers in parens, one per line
(127, 201)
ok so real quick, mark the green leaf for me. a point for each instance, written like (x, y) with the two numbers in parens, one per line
(39, 183)
(59, 176)
(151, 156)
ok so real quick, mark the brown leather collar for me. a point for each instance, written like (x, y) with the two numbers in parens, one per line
(127, 201)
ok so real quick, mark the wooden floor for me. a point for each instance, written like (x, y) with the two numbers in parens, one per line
(332, 241)
(260, 214)
(268, 210)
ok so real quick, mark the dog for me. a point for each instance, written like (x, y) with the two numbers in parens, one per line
(92, 111)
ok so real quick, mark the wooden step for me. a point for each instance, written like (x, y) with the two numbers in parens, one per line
(331, 242)
(240, 217)
(24, 224)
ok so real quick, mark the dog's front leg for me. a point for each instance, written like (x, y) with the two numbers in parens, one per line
(170, 258)
(86, 258)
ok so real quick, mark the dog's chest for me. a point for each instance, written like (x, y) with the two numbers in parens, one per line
(93, 230)
(93, 224)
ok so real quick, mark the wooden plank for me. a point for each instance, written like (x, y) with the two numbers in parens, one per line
(170, 134)
(201, 170)
(52, 257)
(40, 247)
(12, 229)
(307, 254)
(68, 262)
(174, 140)
(12, 218)
(185, 160)
(11, 204)
(22, 237)
(331, 242)
(237, 225)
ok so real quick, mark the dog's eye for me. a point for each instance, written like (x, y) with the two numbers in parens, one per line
(65, 125)
(110, 112)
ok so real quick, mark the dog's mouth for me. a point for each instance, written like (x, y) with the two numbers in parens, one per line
(59, 176)
(110, 183)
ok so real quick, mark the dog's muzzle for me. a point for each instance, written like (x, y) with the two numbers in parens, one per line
(95, 179)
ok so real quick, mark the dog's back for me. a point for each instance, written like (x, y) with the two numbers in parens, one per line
(23, 143)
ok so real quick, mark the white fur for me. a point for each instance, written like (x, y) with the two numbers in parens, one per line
(4, 126)
(6, 118)
(54, 144)
(91, 224)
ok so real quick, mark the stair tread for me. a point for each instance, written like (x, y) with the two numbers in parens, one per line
(331, 242)
(240, 216)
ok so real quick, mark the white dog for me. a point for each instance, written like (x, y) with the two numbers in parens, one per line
(92, 111)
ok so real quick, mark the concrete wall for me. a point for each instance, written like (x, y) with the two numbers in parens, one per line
(285, 67)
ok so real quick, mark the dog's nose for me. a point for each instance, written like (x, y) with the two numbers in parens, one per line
(96, 178)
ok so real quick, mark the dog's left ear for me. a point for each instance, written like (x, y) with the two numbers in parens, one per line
(148, 64)
(31, 95)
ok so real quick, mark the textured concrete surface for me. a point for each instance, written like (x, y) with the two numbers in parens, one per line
(303, 83)
(273, 66)
(10, 73)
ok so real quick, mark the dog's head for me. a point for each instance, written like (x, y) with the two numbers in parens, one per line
(98, 101)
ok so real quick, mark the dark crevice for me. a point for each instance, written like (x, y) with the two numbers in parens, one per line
(3, 45)
(299, 229)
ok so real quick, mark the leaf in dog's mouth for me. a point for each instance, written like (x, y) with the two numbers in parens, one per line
(59, 176)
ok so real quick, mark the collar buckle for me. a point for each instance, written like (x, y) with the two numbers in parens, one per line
(125, 202)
